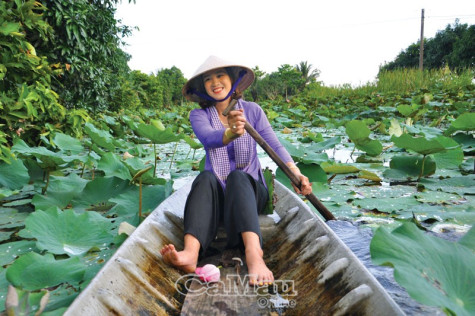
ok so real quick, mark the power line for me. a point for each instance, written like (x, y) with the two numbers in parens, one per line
(452, 16)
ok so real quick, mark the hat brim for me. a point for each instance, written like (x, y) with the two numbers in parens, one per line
(195, 82)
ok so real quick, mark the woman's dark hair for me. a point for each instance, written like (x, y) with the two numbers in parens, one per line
(233, 74)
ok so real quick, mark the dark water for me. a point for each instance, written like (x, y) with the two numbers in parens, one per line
(358, 238)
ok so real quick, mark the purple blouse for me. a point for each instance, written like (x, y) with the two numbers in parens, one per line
(211, 138)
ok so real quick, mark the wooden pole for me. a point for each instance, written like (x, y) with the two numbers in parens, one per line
(421, 50)
(280, 163)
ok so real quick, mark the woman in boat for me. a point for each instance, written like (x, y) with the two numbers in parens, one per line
(231, 189)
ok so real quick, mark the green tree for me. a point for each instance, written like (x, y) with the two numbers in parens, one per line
(291, 78)
(309, 75)
(440, 48)
(86, 43)
(255, 90)
(463, 52)
(172, 80)
(454, 46)
(408, 58)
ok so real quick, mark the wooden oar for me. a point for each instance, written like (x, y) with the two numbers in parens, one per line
(293, 178)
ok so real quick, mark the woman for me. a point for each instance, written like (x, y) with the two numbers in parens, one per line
(231, 189)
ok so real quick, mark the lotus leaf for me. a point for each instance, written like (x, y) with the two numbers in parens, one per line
(193, 144)
(60, 298)
(452, 158)
(113, 167)
(100, 137)
(408, 110)
(5, 235)
(3, 286)
(13, 175)
(442, 212)
(284, 121)
(297, 153)
(6, 193)
(434, 271)
(65, 232)
(468, 166)
(465, 122)
(460, 185)
(339, 168)
(61, 191)
(359, 133)
(127, 204)
(314, 173)
(46, 158)
(387, 205)
(326, 144)
(10, 218)
(419, 145)
(97, 193)
(33, 271)
(466, 140)
(425, 131)
(129, 122)
(365, 174)
(157, 136)
(10, 251)
(410, 167)
(437, 197)
(68, 143)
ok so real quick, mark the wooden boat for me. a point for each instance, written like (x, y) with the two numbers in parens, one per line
(315, 272)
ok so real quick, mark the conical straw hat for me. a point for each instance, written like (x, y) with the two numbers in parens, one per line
(196, 84)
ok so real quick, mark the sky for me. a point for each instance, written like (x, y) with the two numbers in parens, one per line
(347, 40)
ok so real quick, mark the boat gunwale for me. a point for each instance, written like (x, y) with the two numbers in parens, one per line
(161, 220)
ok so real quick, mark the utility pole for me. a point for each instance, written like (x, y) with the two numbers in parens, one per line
(421, 50)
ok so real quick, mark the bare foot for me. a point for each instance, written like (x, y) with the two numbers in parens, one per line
(183, 260)
(257, 268)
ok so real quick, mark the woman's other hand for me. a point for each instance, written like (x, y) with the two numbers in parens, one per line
(305, 185)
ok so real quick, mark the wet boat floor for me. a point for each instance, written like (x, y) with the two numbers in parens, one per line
(233, 295)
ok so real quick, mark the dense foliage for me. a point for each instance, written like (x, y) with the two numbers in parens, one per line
(86, 42)
(454, 47)
(28, 103)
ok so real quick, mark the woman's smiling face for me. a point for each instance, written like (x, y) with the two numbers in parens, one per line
(217, 83)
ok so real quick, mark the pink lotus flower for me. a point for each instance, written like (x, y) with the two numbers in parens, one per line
(208, 273)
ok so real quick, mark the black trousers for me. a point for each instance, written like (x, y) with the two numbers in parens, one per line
(237, 208)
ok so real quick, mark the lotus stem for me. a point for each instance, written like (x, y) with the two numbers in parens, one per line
(173, 156)
(84, 164)
(422, 167)
(155, 157)
(140, 199)
(43, 191)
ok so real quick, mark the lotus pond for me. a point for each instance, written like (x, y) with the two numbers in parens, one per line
(398, 170)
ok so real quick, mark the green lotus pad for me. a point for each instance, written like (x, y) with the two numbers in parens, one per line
(13, 175)
(34, 271)
(434, 271)
(66, 232)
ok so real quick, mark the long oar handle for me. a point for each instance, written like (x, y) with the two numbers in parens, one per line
(288, 172)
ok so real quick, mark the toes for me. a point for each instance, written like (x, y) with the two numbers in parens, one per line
(253, 279)
(166, 249)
